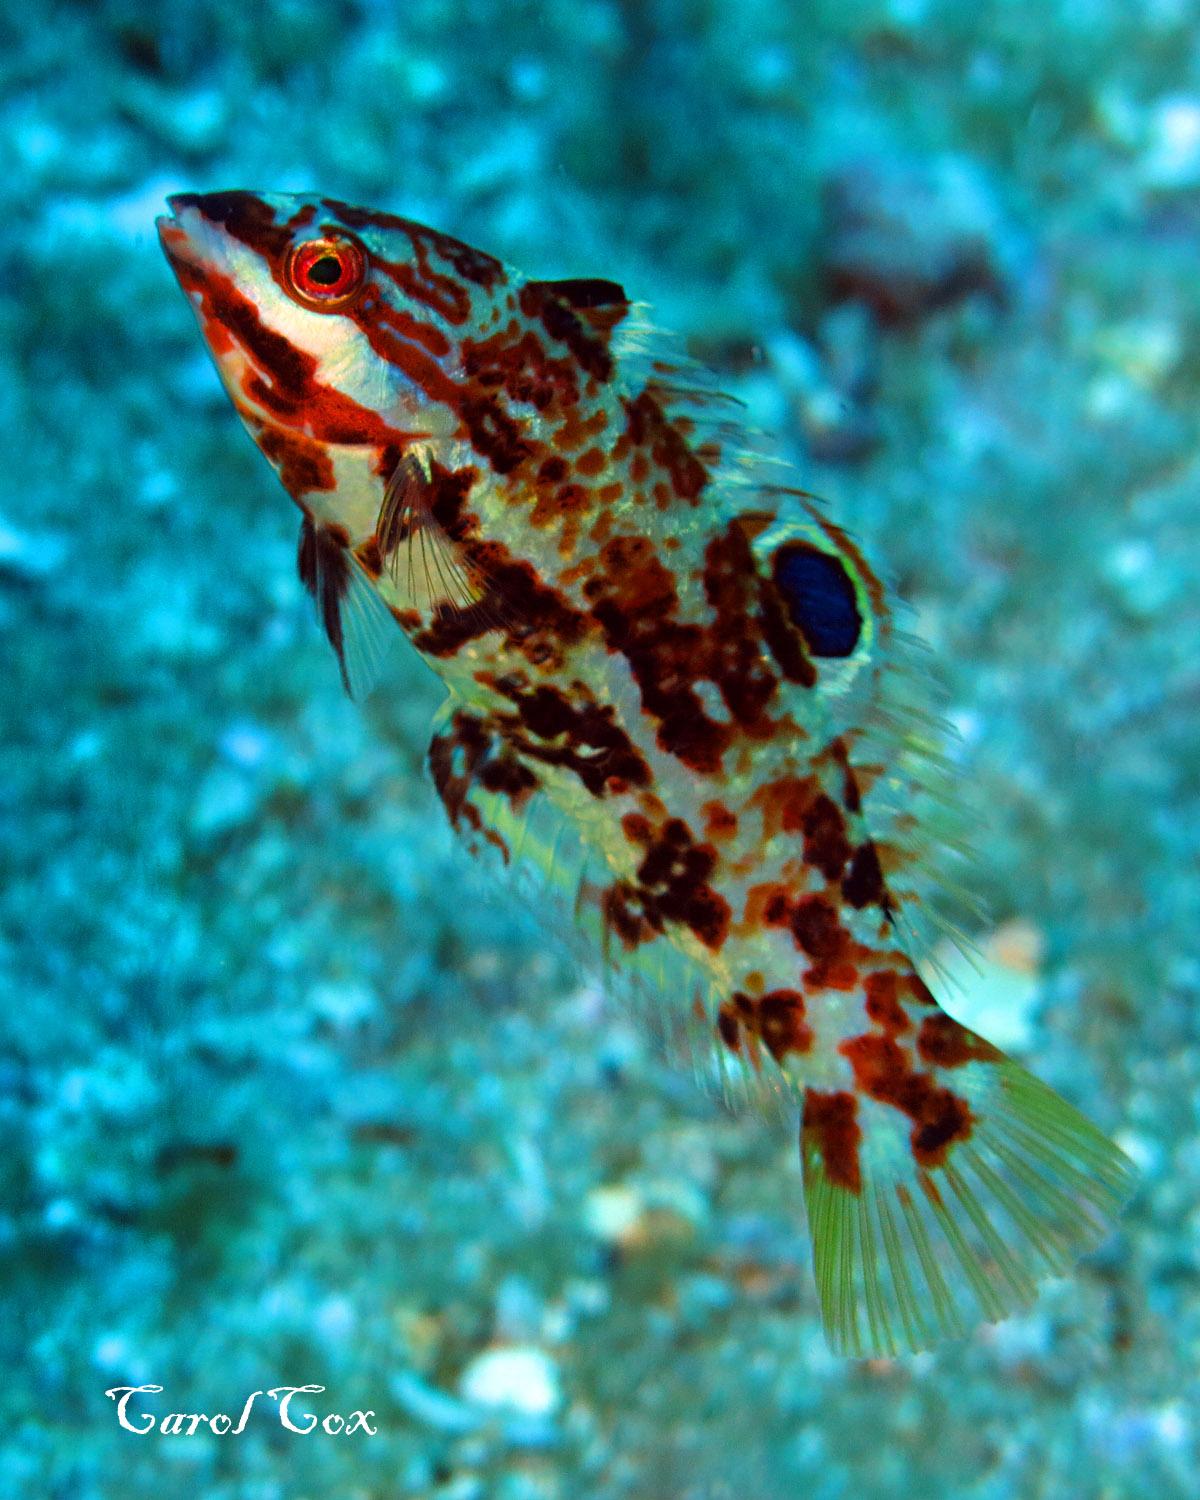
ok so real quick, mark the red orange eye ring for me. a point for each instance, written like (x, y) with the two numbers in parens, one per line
(326, 273)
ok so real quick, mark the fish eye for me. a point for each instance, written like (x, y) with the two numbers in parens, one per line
(326, 273)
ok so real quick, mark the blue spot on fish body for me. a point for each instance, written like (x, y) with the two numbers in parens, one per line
(820, 599)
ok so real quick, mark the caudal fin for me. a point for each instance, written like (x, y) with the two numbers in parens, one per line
(916, 1238)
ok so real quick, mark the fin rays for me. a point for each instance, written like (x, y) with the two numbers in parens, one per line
(918, 1255)
(418, 554)
(356, 620)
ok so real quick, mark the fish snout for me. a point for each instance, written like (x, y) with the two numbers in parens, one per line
(186, 234)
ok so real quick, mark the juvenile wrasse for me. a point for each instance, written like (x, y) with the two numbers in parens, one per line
(672, 687)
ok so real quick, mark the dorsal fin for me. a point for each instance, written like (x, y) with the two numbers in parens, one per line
(598, 303)
(882, 704)
(586, 291)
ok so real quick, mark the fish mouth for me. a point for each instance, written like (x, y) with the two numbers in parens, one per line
(185, 236)
(171, 233)
(192, 233)
(173, 236)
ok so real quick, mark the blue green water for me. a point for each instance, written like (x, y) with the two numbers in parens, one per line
(284, 1100)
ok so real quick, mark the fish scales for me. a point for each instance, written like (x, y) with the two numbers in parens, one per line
(652, 654)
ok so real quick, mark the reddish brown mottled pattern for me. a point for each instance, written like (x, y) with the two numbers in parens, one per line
(779, 1018)
(484, 762)
(944, 1043)
(883, 1069)
(635, 600)
(539, 302)
(883, 1003)
(581, 737)
(672, 885)
(514, 360)
(830, 1123)
(619, 564)
(648, 427)
(304, 465)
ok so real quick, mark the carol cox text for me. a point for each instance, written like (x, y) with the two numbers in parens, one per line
(187, 1424)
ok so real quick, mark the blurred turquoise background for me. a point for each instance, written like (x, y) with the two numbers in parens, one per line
(283, 1100)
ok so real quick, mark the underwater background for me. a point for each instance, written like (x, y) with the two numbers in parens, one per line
(284, 1099)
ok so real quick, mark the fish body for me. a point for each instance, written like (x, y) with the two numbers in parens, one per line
(672, 690)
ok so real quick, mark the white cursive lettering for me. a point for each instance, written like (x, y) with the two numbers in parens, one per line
(186, 1424)
(294, 1390)
(132, 1390)
(246, 1411)
(173, 1424)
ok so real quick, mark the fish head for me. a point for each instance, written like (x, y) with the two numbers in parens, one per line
(308, 307)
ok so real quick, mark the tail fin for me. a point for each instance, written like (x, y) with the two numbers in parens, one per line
(916, 1239)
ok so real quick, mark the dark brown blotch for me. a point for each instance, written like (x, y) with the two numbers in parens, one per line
(586, 292)
(830, 1125)
(883, 1070)
(672, 885)
(816, 927)
(583, 738)
(863, 883)
(634, 600)
(777, 1018)
(624, 913)
(882, 990)
(647, 427)
(783, 640)
(674, 881)
(535, 619)
(733, 657)
(304, 464)
(826, 846)
(482, 758)
(540, 300)
(494, 434)
(944, 1043)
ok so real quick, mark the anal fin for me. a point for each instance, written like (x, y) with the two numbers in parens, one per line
(504, 807)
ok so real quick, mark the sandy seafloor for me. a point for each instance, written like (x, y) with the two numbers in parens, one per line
(283, 1101)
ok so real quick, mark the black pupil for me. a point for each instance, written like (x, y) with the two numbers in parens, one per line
(327, 271)
(819, 597)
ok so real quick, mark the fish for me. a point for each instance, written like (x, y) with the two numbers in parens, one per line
(680, 718)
